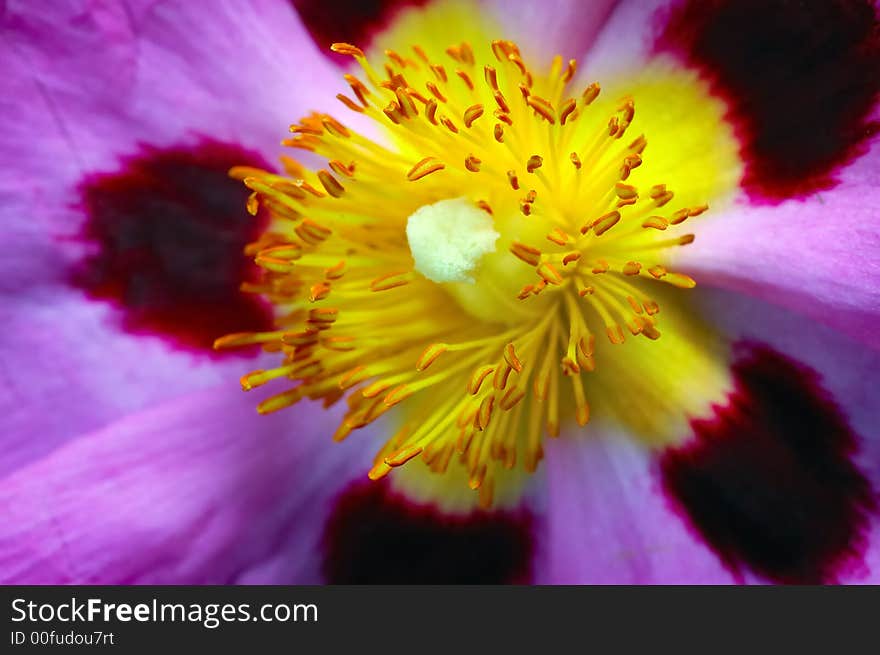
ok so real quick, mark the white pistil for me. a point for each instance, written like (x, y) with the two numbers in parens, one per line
(449, 238)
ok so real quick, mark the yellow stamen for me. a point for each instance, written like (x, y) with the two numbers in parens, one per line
(481, 365)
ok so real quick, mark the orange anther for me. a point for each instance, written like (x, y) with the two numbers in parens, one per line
(632, 268)
(431, 353)
(656, 222)
(403, 455)
(511, 358)
(449, 125)
(331, 184)
(602, 224)
(514, 181)
(319, 291)
(348, 102)
(568, 108)
(501, 101)
(471, 114)
(591, 93)
(389, 281)
(484, 414)
(679, 217)
(477, 377)
(466, 78)
(543, 108)
(435, 91)
(528, 254)
(625, 191)
(601, 267)
(491, 77)
(558, 237)
(347, 49)
(549, 273)
(431, 112)
(396, 395)
(424, 167)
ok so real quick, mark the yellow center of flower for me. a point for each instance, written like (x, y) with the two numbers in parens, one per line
(465, 269)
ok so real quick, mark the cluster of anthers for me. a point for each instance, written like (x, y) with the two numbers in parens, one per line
(482, 145)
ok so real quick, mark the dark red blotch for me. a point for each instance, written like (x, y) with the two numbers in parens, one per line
(375, 536)
(769, 482)
(800, 78)
(165, 234)
(348, 21)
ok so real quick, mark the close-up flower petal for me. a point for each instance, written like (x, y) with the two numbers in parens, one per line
(125, 262)
(440, 291)
(188, 491)
(817, 256)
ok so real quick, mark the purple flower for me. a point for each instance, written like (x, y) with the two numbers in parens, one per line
(740, 446)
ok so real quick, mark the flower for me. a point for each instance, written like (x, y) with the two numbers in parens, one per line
(728, 438)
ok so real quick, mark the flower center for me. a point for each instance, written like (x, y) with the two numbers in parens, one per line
(467, 264)
(448, 239)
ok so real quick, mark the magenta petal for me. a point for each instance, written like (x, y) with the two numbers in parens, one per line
(768, 477)
(564, 27)
(67, 373)
(608, 523)
(200, 490)
(847, 373)
(759, 56)
(609, 519)
(624, 42)
(164, 243)
(376, 536)
(349, 21)
(819, 257)
(848, 370)
(237, 71)
(90, 84)
(252, 65)
(872, 556)
(545, 29)
(800, 83)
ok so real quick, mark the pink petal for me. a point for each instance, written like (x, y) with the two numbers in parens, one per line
(758, 56)
(89, 83)
(838, 375)
(819, 257)
(200, 490)
(610, 521)
(848, 369)
(607, 523)
(624, 43)
(768, 477)
(155, 70)
(541, 30)
(822, 66)
(815, 255)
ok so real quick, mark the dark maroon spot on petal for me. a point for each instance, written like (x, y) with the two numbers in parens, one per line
(376, 536)
(800, 79)
(348, 21)
(769, 480)
(166, 233)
